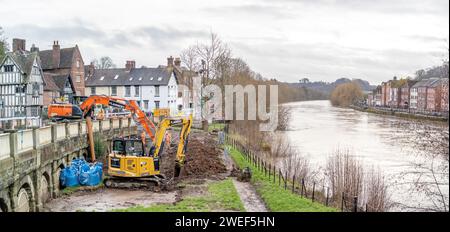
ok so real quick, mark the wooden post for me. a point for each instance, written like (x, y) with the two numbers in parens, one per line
(285, 180)
(326, 201)
(90, 132)
(367, 207)
(274, 168)
(270, 166)
(303, 185)
(355, 204)
(342, 202)
(293, 184)
(279, 177)
(313, 190)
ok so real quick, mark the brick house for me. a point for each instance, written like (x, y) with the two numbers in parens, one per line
(385, 93)
(58, 88)
(434, 96)
(444, 95)
(419, 94)
(405, 93)
(65, 62)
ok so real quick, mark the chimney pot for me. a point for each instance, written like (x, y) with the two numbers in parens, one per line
(170, 61)
(177, 62)
(18, 45)
(130, 65)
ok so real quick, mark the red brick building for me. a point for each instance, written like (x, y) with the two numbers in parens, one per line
(65, 62)
(405, 94)
(444, 95)
(428, 95)
(434, 96)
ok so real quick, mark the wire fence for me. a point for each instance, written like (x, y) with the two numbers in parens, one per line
(299, 185)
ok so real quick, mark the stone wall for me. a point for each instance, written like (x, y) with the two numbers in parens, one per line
(31, 160)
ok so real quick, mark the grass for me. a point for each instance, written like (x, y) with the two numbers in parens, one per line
(221, 196)
(216, 126)
(276, 198)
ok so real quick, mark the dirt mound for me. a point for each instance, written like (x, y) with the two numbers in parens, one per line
(203, 157)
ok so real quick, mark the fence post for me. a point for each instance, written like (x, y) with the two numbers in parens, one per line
(293, 184)
(279, 177)
(269, 170)
(313, 190)
(303, 185)
(367, 207)
(274, 168)
(264, 166)
(342, 202)
(355, 204)
(285, 180)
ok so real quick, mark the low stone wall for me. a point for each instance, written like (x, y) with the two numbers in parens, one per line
(4, 145)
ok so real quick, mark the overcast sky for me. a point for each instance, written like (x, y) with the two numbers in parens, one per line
(283, 39)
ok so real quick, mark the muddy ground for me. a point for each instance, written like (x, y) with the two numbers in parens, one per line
(204, 163)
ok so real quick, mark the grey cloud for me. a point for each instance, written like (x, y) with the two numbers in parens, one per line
(167, 36)
(250, 10)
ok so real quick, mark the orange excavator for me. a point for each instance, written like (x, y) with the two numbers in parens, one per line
(129, 164)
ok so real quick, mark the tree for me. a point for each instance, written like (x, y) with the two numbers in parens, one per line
(346, 94)
(104, 63)
(3, 44)
(190, 58)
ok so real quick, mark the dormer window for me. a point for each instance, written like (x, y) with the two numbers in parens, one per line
(117, 76)
(131, 78)
(9, 68)
(159, 78)
(151, 78)
(101, 78)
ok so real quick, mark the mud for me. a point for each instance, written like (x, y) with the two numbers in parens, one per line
(203, 157)
(108, 199)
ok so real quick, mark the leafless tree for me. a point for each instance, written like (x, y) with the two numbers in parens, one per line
(3, 44)
(105, 62)
(190, 58)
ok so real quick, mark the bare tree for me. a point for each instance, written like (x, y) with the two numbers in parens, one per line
(190, 58)
(105, 62)
(3, 44)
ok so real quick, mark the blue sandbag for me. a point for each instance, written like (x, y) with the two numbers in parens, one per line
(81, 173)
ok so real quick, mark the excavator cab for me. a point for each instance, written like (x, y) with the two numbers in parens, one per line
(128, 147)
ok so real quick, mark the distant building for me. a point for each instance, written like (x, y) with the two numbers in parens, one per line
(434, 96)
(65, 62)
(378, 95)
(21, 88)
(152, 88)
(385, 93)
(58, 88)
(405, 94)
(444, 95)
(419, 94)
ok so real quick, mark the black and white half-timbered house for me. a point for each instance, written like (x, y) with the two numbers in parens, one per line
(21, 90)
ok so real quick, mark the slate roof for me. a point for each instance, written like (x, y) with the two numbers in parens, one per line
(66, 58)
(57, 82)
(430, 82)
(24, 60)
(137, 76)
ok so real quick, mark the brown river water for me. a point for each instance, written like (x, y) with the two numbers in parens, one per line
(394, 146)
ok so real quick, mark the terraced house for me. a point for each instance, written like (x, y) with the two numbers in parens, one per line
(21, 88)
(152, 88)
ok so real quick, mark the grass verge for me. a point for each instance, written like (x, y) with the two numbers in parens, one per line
(221, 196)
(276, 198)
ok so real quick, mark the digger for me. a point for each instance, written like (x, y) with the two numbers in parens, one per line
(130, 163)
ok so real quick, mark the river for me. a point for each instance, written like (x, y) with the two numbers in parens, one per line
(392, 145)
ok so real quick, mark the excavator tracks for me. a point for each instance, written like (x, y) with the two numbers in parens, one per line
(152, 183)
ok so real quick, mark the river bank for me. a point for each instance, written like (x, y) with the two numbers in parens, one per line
(400, 114)
(404, 150)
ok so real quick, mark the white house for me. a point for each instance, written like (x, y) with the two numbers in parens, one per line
(21, 88)
(152, 88)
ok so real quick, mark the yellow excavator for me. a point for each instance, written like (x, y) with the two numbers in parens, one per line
(130, 163)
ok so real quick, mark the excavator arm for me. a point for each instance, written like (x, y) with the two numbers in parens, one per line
(158, 146)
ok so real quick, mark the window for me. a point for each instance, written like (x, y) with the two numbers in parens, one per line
(78, 78)
(145, 104)
(156, 104)
(127, 91)
(78, 63)
(156, 90)
(113, 90)
(139, 103)
(93, 91)
(9, 68)
(136, 91)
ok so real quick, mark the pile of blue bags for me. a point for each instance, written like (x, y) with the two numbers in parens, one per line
(81, 173)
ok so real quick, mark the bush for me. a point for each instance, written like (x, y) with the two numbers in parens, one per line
(346, 94)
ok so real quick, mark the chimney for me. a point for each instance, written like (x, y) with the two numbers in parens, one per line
(177, 62)
(130, 65)
(395, 78)
(91, 69)
(170, 61)
(56, 54)
(34, 48)
(18, 45)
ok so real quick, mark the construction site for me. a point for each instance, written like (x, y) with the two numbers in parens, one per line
(164, 163)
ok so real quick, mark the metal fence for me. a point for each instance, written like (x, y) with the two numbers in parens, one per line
(316, 192)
